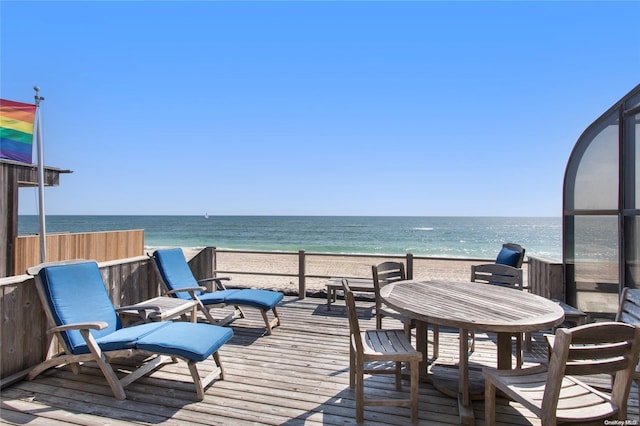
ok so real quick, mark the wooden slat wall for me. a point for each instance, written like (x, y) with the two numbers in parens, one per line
(99, 246)
(14, 175)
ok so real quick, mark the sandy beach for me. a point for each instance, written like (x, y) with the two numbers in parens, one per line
(324, 266)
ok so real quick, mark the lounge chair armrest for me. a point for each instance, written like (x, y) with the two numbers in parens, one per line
(186, 289)
(139, 308)
(143, 311)
(217, 280)
(79, 326)
(204, 280)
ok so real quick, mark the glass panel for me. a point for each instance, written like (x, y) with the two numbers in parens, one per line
(591, 179)
(596, 179)
(632, 159)
(632, 251)
(596, 263)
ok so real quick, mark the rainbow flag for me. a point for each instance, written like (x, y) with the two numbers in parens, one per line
(16, 130)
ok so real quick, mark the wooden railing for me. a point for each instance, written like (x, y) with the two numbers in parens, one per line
(546, 278)
(25, 343)
(299, 267)
(99, 246)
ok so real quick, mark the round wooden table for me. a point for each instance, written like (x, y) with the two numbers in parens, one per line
(470, 306)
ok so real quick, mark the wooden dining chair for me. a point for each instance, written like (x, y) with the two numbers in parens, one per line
(379, 346)
(384, 274)
(628, 313)
(554, 393)
(504, 276)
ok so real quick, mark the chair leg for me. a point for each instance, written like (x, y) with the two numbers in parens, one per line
(436, 341)
(352, 367)
(75, 368)
(267, 323)
(359, 390)
(378, 321)
(201, 383)
(197, 382)
(489, 403)
(216, 357)
(270, 324)
(238, 313)
(53, 362)
(415, 383)
(519, 357)
(407, 330)
(105, 367)
(398, 375)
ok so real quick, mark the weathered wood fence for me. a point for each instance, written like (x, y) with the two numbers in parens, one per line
(99, 246)
(546, 278)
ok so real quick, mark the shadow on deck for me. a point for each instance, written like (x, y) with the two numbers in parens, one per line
(298, 375)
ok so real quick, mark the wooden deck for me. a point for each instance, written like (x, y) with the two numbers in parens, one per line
(298, 375)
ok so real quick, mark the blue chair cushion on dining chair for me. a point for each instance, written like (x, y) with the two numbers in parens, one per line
(508, 256)
(195, 342)
(261, 299)
(175, 271)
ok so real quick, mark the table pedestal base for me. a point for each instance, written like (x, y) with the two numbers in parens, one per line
(446, 379)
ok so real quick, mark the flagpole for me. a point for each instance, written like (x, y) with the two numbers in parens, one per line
(38, 136)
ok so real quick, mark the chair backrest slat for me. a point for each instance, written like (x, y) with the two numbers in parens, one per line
(608, 366)
(388, 272)
(383, 274)
(496, 274)
(629, 308)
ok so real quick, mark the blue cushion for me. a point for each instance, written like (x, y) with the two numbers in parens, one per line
(216, 297)
(125, 338)
(261, 299)
(76, 293)
(195, 342)
(509, 257)
(175, 271)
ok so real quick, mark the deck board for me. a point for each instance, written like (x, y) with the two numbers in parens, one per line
(298, 375)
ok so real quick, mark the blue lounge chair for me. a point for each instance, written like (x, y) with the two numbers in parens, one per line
(179, 281)
(77, 305)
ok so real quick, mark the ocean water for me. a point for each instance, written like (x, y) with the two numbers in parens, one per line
(458, 237)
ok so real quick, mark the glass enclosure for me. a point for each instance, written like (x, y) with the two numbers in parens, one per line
(601, 213)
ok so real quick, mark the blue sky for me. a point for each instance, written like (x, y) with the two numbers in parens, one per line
(315, 108)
